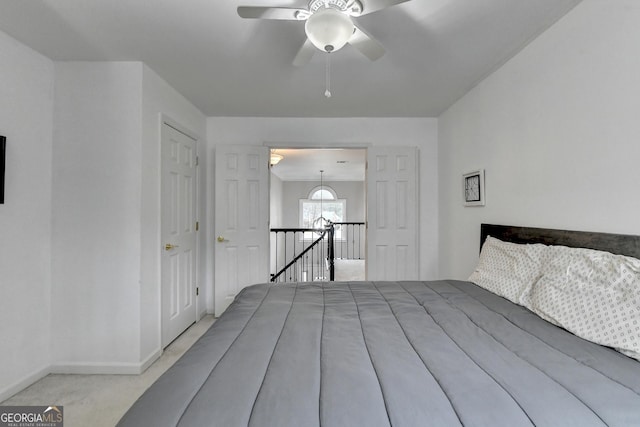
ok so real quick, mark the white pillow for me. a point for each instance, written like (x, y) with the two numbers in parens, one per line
(509, 269)
(593, 294)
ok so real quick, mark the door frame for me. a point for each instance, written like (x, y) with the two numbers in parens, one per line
(329, 146)
(167, 120)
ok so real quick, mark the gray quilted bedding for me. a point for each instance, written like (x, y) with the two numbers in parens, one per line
(440, 353)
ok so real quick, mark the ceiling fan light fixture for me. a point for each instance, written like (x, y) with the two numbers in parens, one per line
(329, 29)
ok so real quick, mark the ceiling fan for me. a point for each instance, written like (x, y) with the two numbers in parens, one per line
(329, 25)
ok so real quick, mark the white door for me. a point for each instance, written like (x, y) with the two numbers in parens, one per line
(242, 220)
(178, 223)
(392, 202)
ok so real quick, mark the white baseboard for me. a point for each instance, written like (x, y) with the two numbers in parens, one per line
(96, 368)
(18, 386)
(149, 360)
(105, 368)
(80, 368)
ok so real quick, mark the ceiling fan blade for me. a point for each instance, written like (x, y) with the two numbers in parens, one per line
(305, 54)
(368, 46)
(370, 6)
(257, 12)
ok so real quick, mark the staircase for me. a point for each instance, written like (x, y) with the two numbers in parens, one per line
(308, 255)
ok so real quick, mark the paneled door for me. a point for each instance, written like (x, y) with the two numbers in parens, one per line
(178, 232)
(392, 207)
(241, 220)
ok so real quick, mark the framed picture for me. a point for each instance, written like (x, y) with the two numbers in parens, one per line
(473, 188)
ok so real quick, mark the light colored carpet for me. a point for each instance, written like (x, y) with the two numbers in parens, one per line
(101, 400)
(347, 270)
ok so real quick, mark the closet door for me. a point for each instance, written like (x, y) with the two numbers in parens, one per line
(178, 229)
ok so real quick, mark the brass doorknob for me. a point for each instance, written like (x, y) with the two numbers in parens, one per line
(169, 246)
(220, 239)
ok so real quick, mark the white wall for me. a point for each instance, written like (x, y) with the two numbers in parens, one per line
(557, 129)
(159, 100)
(96, 216)
(26, 119)
(351, 132)
(276, 201)
(352, 191)
(106, 213)
(79, 289)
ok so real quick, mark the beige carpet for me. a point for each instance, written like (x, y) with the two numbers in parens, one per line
(348, 270)
(101, 400)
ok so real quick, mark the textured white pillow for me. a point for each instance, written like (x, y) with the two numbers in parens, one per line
(509, 269)
(594, 294)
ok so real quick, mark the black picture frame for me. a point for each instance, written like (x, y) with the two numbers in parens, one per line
(473, 188)
(3, 151)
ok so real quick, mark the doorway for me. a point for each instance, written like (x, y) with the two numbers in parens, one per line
(308, 189)
(243, 210)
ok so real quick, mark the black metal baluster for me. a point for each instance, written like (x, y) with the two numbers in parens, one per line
(330, 250)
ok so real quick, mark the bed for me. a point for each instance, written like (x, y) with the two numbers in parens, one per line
(410, 353)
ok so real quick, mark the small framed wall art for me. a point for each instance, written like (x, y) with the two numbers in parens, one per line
(473, 188)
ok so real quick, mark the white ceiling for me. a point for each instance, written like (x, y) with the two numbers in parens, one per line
(227, 66)
(306, 164)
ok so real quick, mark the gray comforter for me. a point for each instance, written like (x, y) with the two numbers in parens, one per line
(440, 353)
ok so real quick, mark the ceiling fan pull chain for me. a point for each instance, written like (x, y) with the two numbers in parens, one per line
(327, 92)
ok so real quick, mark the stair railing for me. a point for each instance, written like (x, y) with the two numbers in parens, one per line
(313, 258)
(309, 261)
(350, 242)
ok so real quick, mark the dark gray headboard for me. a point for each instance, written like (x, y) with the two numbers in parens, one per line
(622, 244)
